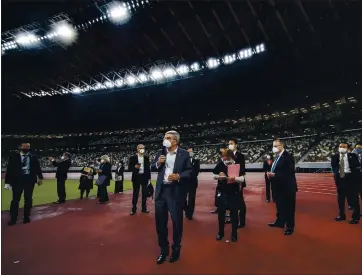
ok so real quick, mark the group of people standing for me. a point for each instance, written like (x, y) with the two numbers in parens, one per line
(177, 181)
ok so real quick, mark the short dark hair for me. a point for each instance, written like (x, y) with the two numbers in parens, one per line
(344, 142)
(234, 140)
(280, 141)
(67, 155)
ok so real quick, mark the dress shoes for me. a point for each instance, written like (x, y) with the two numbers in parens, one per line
(350, 208)
(275, 224)
(219, 237)
(11, 223)
(354, 222)
(145, 211)
(162, 258)
(288, 231)
(26, 220)
(175, 256)
(241, 225)
(132, 213)
(59, 202)
(340, 218)
(214, 211)
(234, 238)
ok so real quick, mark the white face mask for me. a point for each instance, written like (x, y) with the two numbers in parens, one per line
(63, 157)
(142, 151)
(191, 154)
(231, 147)
(268, 157)
(342, 150)
(275, 150)
(167, 143)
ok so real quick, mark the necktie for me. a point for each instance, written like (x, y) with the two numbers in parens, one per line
(25, 161)
(274, 164)
(341, 167)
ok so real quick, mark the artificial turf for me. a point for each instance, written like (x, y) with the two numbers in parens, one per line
(47, 192)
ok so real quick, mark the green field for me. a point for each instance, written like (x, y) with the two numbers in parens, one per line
(47, 193)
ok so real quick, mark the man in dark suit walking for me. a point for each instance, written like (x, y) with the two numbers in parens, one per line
(358, 152)
(141, 177)
(192, 186)
(22, 173)
(61, 175)
(174, 170)
(282, 175)
(345, 167)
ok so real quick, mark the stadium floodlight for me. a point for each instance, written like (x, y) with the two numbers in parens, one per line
(169, 73)
(131, 80)
(26, 39)
(228, 59)
(143, 77)
(156, 74)
(182, 70)
(118, 13)
(119, 82)
(109, 84)
(212, 63)
(63, 31)
(76, 90)
(195, 67)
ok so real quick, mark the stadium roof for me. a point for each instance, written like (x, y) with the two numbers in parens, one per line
(175, 30)
(305, 39)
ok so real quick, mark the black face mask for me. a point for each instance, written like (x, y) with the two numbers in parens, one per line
(25, 151)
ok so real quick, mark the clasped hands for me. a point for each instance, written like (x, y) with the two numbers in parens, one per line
(270, 175)
(230, 179)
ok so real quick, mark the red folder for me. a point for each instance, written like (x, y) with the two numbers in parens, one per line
(233, 171)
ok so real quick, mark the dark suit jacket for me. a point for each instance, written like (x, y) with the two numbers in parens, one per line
(62, 169)
(195, 172)
(182, 167)
(284, 170)
(119, 172)
(106, 171)
(14, 170)
(133, 160)
(352, 161)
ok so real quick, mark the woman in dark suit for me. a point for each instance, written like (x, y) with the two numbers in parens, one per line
(118, 186)
(86, 180)
(229, 194)
(105, 169)
(268, 185)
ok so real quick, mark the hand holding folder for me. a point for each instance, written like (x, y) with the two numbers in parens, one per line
(233, 172)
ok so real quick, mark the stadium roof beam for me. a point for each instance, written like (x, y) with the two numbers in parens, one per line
(164, 33)
(280, 18)
(236, 18)
(208, 36)
(222, 28)
(260, 25)
(185, 32)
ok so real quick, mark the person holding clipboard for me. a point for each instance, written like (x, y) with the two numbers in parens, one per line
(229, 178)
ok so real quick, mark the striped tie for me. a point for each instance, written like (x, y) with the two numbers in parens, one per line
(341, 167)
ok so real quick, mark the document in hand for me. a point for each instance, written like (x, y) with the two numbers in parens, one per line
(233, 171)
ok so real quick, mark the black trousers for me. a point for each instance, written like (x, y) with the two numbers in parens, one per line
(269, 186)
(216, 198)
(348, 188)
(285, 204)
(360, 184)
(27, 186)
(103, 193)
(242, 209)
(87, 191)
(61, 190)
(190, 199)
(138, 182)
(118, 186)
(166, 202)
(233, 206)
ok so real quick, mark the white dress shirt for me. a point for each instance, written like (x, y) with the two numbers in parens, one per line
(170, 165)
(141, 161)
(346, 163)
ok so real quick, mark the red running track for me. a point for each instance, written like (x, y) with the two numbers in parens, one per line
(81, 237)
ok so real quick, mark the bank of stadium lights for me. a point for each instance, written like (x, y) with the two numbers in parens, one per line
(116, 12)
(156, 75)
